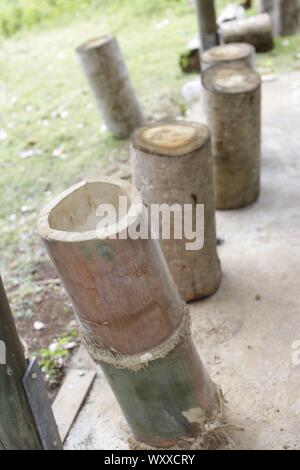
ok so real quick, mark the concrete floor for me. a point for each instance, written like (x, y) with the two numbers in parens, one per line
(245, 332)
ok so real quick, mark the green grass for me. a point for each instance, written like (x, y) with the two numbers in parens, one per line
(41, 77)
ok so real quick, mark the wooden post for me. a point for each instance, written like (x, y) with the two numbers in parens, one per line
(235, 54)
(255, 30)
(206, 15)
(103, 64)
(285, 15)
(131, 319)
(172, 164)
(232, 100)
(18, 430)
(290, 17)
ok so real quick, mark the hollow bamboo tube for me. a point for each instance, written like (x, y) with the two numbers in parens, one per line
(18, 429)
(232, 101)
(229, 54)
(172, 164)
(130, 315)
(105, 69)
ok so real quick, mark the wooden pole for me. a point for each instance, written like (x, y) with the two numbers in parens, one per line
(103, 64)
(207, 22)
(131, 319)
(255, 30)
(232, 100)
(229, 54)
(18, 430)
(285, 15)
(172, 164)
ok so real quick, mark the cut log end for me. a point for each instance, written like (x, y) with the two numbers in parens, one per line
(231, 80)
(95, 43)
(171, 138)
(229, 54)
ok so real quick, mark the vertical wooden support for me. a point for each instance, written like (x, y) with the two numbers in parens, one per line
(131, 318)
(255, 30)
(103, 64)
(206, 15)
(229, 54)
(285, 15)
(289, 17)
(18, 429)
(172, 164)
(232, 100)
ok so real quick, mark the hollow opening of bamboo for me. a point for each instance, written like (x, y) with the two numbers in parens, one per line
(75, 214)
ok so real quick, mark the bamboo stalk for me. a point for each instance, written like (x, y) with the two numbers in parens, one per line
(172, 164)
(18, 430)
(130, 315)
(105, 69)
(232, 100)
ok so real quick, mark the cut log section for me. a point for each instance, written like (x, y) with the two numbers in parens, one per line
(229, 54)
(232, 100)
(172, 164)
(255, 30)
(130, 315)
(285, 15)
(103, 64)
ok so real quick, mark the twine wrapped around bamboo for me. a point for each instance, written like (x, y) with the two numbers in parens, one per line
(130, 315)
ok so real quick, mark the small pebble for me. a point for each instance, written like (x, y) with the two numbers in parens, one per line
(39, 326)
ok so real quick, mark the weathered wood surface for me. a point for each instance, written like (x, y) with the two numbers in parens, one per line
(254, 30)
(172, 164)
(17, 427)
(105, 69)
(128, 306)
(70, 398)
(229, 54)
(232, 100)
(285, 15)
(206, 15)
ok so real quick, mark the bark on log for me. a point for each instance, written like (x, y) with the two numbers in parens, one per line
(255, 30)
(17, 426)
(171, 164)
(206, 15)
(130, 315)
(229, 54)
(103, 64)
(285, 15)
(232, 100)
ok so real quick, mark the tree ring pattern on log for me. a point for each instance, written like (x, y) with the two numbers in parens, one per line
(135, 362)
(171, 138)
(229, 54)
(231, 80)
